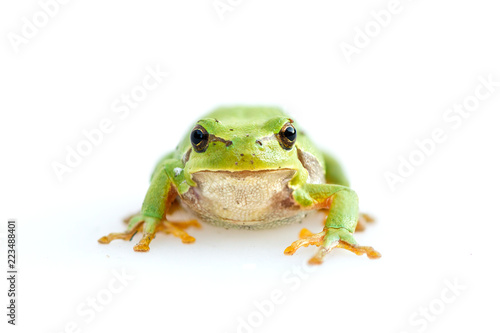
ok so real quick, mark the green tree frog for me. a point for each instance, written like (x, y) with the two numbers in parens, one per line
(250, 167)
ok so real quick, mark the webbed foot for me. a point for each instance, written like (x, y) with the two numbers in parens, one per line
(327, 240)
(150, 226)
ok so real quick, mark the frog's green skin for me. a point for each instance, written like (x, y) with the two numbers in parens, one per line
(246, 179)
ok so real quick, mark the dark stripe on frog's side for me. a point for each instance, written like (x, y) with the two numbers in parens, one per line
(211, 138)
(214, 138)
(186, 156)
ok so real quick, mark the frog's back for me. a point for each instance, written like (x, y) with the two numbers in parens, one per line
(245, 114)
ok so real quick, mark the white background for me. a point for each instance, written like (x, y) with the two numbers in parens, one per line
(441, 224)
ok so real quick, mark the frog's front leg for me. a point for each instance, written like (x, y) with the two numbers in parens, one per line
(161, 193)
(342, 205)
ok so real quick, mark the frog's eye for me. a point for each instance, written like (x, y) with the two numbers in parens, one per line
(199, 139)
(287, 136)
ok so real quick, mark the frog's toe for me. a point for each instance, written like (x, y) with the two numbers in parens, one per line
(360, 250)
(177, 229)
(357, 249)
(366, 217)
(143, 245)
(186, 224)
(305, 233)
(363, 220)
(127, 235)
(320, 254)
(306, 238)
(116, 235)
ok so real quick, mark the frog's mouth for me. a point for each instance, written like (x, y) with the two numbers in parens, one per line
(263, 173)
(241, 197)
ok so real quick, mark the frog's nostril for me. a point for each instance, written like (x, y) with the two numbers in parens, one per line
(258, 142)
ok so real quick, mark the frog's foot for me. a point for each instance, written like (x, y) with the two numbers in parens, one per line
(327, 240)
(174, 228)
(363, 220)
(150, 226)
(135, 223)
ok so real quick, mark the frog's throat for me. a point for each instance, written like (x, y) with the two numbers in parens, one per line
(242, 197)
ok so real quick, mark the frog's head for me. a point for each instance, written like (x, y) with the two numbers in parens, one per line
(243, 139)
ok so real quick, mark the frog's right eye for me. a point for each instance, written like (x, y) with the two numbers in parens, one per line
(199, 139)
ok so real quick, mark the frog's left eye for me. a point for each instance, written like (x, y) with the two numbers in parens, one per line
(287, 136)
(199, 139)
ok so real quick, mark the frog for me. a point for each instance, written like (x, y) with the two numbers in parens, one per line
(250, 168)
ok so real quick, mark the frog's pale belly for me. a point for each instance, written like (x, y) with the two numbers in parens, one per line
(245, 200)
